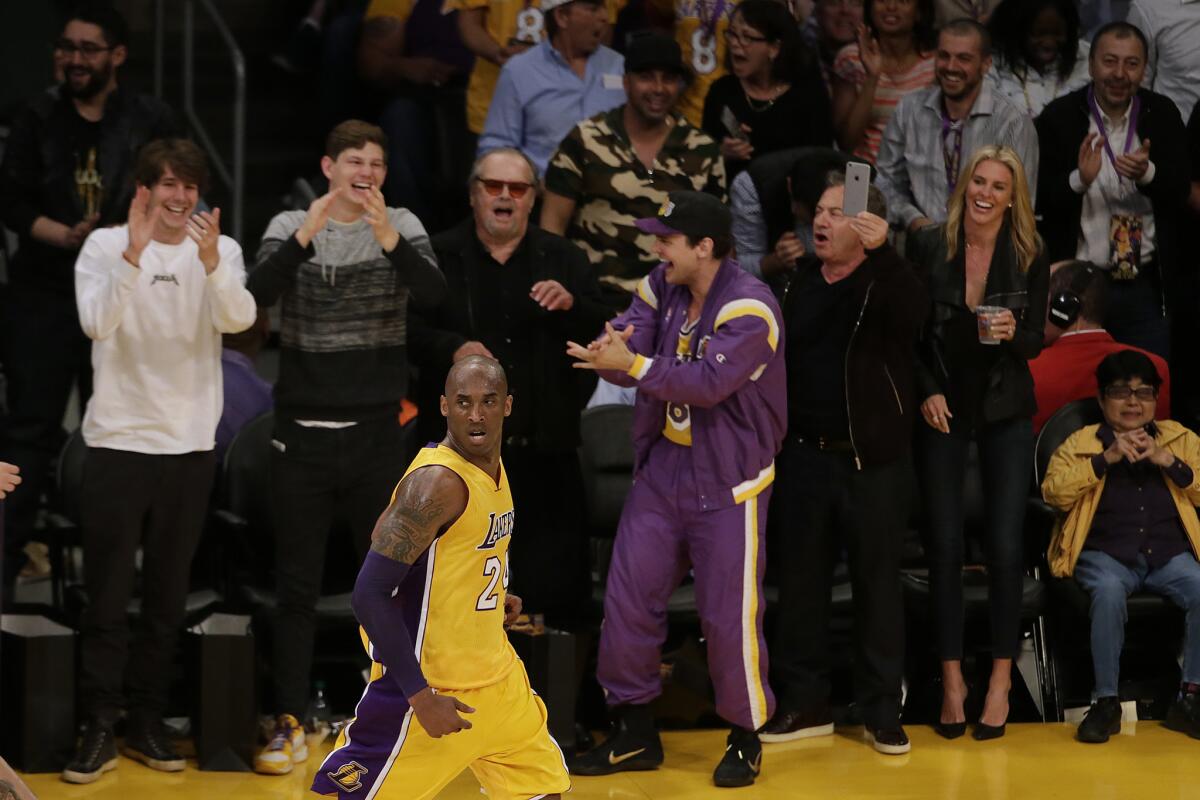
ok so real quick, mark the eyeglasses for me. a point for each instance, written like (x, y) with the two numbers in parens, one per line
(1122, 392)
(89, 49)
(516, 189)
(744, 38)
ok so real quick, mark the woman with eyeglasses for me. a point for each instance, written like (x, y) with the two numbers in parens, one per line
(892, 57)
(773, 97)
(989, 281)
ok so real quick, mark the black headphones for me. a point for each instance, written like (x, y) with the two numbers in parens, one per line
(1066, 305)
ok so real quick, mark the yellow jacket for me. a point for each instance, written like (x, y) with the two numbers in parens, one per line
(1071, 485)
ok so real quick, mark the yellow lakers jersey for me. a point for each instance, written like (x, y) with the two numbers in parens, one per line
(678, 427)
(461, 581)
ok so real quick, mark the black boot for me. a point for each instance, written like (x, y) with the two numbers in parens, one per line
(742, 760)
(633, 744)
(1184, 715)
(96, 754)
(148, 741)
(1103, 720)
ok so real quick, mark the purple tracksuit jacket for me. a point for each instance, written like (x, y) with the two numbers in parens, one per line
(736, 388)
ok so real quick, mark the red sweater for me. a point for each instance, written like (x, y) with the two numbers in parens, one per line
(1066, 371)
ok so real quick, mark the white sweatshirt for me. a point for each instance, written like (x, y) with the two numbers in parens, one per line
(156, 340)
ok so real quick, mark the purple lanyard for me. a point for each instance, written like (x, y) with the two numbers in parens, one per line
(952, 160)
(1130, 135)
(710, 25)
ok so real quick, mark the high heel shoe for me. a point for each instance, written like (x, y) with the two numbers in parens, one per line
(984, 732)
(950, 730)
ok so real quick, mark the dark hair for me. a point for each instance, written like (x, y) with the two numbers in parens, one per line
(772, 19)
(1084, 279)
(353, 134)
(103, 16)
(1121, 30)
(924, 34)
(964, 26)
(722, 245)
(1124, 365)
(1011, 23)
(185, 158)
(876, 202)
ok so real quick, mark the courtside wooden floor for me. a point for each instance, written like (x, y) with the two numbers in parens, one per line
(1033, 761)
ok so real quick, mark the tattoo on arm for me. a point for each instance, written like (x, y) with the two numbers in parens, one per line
(413, 520)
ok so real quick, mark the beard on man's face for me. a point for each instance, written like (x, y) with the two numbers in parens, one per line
(83, 82)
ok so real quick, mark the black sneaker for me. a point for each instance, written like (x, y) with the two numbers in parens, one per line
(1184, 715)
(1102, 721)
(147, 741)
(891, 740)
(786, 726)
(742, 760)
(96, 754)
(632, 745)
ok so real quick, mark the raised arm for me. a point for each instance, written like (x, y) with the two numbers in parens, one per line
(426, 503)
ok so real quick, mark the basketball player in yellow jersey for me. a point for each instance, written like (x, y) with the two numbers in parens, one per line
(447, 691)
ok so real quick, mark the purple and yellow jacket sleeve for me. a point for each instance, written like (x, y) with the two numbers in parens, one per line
(642, 314)
(745, 338)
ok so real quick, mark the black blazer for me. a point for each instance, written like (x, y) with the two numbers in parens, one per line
(1010, 384)
(1061, 128)
(559, 390)
(892, 303)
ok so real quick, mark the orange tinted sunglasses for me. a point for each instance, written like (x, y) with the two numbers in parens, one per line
(516, 189)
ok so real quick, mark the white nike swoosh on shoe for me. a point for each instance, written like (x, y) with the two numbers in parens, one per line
(756, 764)
(615, 759)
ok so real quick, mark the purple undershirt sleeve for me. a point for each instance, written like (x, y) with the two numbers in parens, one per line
(379, 611)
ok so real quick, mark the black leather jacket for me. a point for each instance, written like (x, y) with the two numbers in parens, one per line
(1009, 391)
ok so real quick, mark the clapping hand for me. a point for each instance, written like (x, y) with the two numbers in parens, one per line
(142, 221)
(318, 215)
(205, 230)
(1090, 156)
(609, 351)
(1134, 165)
(376, 215)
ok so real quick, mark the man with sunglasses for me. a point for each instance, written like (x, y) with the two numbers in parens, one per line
(1129, 487)
(516, 292)
(65, 172)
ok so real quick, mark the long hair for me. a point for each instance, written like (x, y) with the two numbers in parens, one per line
(1011, 22)
(1021, 226)
(923, 33)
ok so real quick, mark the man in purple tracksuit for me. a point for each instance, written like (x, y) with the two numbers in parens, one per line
(702, 343)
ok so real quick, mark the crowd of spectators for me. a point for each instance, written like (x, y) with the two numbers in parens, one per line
(674, 195)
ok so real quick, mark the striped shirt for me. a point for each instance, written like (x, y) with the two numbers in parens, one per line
(912, 160)
(888, 91)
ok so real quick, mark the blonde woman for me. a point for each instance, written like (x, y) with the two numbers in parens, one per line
(988, 277)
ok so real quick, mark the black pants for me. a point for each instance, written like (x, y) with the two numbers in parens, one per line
(824, 504)
(1005, 461)
(548, 554)
(158, 502)
(1136, 315)
(44, 353)
(320, 477)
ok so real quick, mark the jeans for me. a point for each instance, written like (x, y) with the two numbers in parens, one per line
(130, 500)
(1109, 582)
(321, 476)
(1135, 314)
(825, 504)
(1006, 461)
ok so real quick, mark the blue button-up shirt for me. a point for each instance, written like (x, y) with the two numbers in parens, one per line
(539, 98)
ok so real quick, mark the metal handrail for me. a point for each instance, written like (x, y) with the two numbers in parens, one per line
(233, 176)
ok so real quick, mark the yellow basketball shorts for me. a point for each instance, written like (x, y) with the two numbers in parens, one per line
(385, 754)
